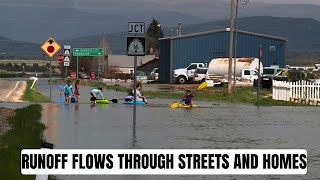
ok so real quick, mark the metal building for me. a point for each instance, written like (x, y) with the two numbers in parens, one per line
(180, 51)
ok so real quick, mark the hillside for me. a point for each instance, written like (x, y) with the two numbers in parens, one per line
(19, 49)
(36, 20)
(302, 35)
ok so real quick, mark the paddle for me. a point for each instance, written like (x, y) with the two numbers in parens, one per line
(60, 98)
(112, 100)
(201, 86)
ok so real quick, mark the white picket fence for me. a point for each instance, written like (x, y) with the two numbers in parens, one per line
(287, 91)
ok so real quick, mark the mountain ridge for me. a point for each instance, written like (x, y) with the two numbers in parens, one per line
(302, 34)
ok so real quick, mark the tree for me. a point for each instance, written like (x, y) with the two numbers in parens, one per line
(154, 32)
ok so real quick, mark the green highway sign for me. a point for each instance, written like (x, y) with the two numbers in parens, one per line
(87, 51)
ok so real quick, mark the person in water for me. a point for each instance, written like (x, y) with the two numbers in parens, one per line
(139, 97)
(130, 96)
(94, 94)
(187, 99)
(67, 91)
(77, 90)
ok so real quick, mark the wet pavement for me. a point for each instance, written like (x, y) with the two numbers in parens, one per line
(224, 126)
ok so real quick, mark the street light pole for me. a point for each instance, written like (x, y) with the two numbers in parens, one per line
(235, 48)
(244, 2)
(231, 46)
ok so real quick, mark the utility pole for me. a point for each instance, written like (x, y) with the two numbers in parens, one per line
(235, 48)
(104, 52)
(231, 46)
(258, 82)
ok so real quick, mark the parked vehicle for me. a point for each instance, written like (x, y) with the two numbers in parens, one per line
(141, 76)
(184, 75)
(249, 74)
(246, 69)
(154, 75)
(271, 71)
(200, 74)
(86, 76)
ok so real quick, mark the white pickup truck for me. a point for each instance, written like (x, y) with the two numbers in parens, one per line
(184, 75)
(246, 75)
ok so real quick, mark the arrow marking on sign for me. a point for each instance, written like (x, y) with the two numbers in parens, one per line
(50, 41)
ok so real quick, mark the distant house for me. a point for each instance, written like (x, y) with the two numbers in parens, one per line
(148, 67)
(126, 63)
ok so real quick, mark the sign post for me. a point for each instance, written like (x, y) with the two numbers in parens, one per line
(66, 61)
(135, 47)
(60, 58)
(50, 47)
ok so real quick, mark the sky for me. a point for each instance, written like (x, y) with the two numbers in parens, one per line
(291, 1)
(73, 2)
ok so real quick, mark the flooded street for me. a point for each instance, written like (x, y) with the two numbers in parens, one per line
(222, 126)
(225, 126)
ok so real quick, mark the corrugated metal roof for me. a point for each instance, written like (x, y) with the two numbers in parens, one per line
(225, 30)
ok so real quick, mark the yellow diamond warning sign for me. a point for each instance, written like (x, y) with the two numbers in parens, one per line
(50, 47)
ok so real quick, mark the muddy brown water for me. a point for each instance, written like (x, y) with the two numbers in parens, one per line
(224, 126)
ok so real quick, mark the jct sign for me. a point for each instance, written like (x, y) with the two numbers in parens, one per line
(136, 28)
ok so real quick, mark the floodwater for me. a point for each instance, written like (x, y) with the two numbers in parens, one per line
(224, 126)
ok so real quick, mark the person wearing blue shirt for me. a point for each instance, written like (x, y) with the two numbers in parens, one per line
(94, 94)
(67, 91)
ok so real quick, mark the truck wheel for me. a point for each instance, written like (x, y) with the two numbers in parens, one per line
(181, 80)
(203, 80)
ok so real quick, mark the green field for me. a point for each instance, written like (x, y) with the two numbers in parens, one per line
(30, 62)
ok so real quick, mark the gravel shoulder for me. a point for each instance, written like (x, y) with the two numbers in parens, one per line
(4, 123)
(12, 91)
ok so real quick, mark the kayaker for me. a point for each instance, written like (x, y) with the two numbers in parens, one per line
(138, 95)
(94, 94)
(67, 91)
(77, 90)
(187, 99)
(130, 96)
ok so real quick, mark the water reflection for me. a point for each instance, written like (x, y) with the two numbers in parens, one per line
(134, 136)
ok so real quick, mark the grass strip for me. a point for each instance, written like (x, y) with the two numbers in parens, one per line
(25, 133)
(33, 95)
(245, 95)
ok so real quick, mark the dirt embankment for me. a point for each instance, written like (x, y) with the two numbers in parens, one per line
(4, 123)
(12, 91)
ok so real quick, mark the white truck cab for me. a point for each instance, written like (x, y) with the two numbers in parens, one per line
(249, 74)
(184, 75)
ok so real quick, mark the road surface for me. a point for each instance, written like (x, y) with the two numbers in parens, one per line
(11, 91)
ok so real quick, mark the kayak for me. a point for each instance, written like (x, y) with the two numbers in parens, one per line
(132, 102)
(102, 101)
(187, 106)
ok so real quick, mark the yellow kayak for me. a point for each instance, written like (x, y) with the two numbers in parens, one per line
(187, 106)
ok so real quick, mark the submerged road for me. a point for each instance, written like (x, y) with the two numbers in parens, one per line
(224, 126)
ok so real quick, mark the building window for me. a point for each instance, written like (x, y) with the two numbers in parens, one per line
(272, 48)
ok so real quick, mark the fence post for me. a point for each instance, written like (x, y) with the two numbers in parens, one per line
(290, 90)
(276, 90)
(318, 91)
(273, 89)
(281, 90)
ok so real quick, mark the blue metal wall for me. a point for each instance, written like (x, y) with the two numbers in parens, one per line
(248, 46)
(205, 47)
